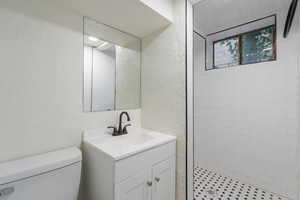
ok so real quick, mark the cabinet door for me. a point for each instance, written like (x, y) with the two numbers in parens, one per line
(164, 180)
(136, 187)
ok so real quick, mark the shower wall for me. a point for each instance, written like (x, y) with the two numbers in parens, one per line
(245, 117)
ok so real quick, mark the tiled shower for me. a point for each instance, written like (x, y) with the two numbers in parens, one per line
(245, 114)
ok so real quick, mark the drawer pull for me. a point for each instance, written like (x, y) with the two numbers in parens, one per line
(157, 179)
(149, 183)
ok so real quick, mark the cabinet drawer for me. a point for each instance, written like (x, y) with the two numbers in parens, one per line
(129, 166)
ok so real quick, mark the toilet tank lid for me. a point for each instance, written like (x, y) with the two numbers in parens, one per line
(12, 171)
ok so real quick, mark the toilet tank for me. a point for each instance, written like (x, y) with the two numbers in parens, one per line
(50, 176)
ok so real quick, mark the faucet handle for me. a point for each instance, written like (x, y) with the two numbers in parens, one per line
(115, 131)
(125, 128)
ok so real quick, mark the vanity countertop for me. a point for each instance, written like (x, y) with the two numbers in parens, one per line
(119, 147)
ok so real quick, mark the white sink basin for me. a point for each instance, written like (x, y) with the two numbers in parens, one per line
(119, 147)
(130, 139)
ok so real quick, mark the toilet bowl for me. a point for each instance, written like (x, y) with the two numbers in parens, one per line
(50, 176)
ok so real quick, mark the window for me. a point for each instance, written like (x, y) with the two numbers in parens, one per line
(258, 46)
(246, 48)
(226, 53)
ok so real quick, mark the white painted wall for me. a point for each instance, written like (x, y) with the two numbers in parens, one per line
(163, 86)
(199, 60)
(104, 80)
(41, 80)
(99, 92)
(246, 117)
(128, 77)
(190, 103)
(87, 72)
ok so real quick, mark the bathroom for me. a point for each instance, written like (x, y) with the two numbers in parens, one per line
(193, 124)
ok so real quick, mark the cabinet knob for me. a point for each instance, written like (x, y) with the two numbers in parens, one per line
(157, 179)
(149, 183)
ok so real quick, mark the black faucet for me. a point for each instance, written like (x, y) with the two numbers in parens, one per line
(120, 130)
(123, 130)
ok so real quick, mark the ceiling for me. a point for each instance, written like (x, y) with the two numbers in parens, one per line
(215, 15)
(131, 16)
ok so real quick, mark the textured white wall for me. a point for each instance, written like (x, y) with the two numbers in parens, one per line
(246, 116)
(163, 85)
(41, 80)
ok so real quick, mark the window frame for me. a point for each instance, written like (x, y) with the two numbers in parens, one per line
(239, 36)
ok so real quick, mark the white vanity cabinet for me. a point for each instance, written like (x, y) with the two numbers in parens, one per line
(137, 173)
(164, 180)
(154, 182)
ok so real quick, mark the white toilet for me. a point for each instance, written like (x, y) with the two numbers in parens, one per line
(51, 176)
